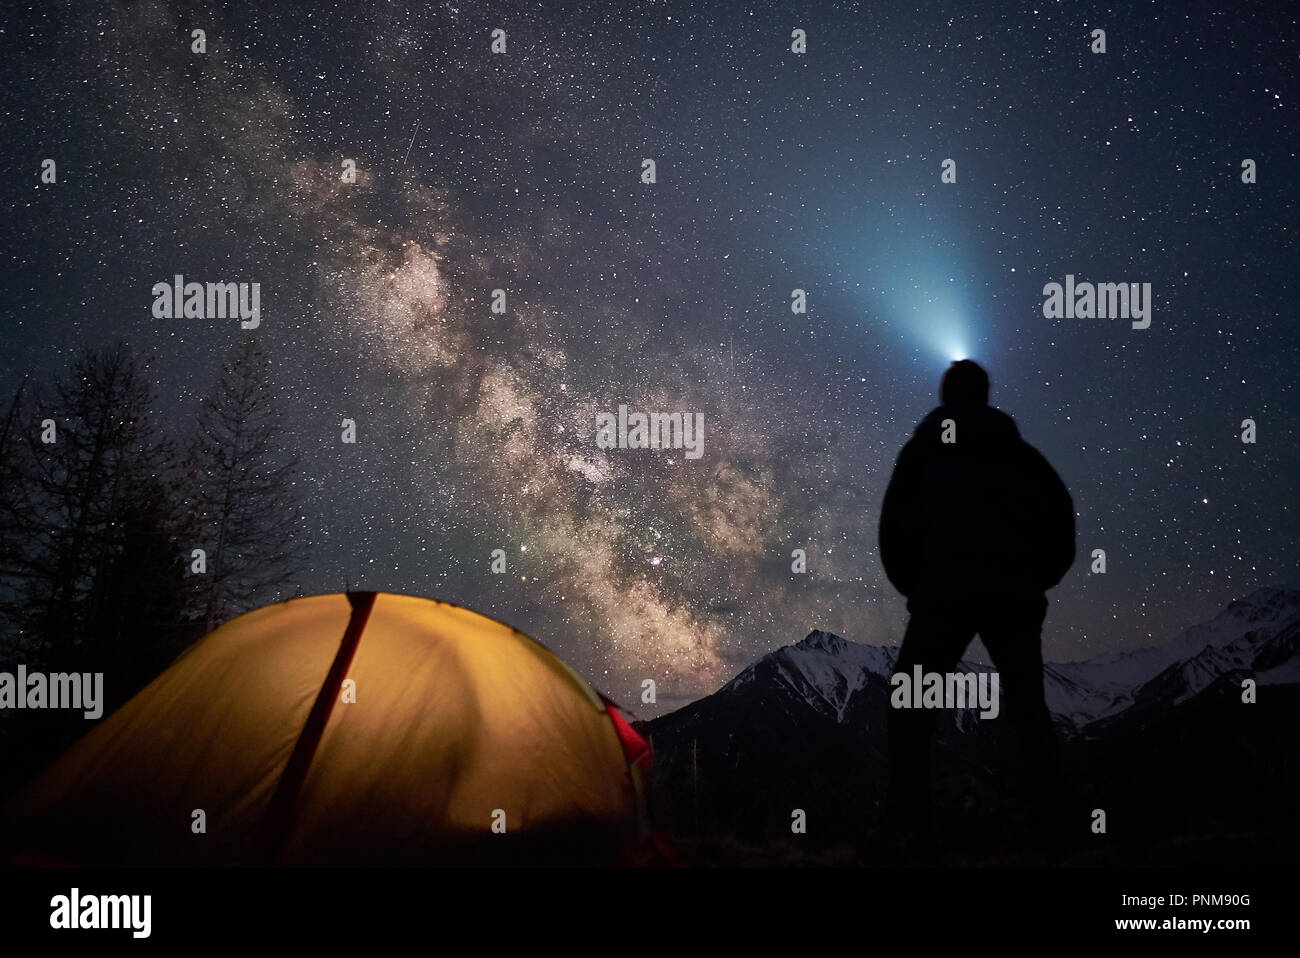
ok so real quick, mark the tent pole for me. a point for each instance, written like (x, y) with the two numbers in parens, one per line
(274, 832)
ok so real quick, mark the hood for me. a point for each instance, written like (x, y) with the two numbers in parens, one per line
(976, 423)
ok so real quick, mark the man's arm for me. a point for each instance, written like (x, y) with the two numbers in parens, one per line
(1056, 545)
(898, 542)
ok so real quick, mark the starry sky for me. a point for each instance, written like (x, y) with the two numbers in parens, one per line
(775, 171)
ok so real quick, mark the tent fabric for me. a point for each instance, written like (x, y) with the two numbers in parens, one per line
(459, 723)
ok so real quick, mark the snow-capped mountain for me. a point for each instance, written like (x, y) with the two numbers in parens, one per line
(823, 670)
(1107, 684)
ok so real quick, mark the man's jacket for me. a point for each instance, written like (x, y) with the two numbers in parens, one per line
(984, 516)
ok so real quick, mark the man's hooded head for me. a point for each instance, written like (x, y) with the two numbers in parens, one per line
(964, 382)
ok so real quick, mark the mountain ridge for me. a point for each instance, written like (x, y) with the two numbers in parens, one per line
(827, 668)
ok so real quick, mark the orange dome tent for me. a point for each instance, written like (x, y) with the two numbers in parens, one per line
(347, 729)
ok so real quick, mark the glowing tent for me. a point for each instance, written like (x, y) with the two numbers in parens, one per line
(348, 729)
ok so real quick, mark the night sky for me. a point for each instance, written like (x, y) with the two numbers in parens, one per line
(775, 171)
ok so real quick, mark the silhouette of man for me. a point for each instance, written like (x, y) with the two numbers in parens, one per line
(976, 526)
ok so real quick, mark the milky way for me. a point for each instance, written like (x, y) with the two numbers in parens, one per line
(776, 171)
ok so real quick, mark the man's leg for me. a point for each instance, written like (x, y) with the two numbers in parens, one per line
(1012, 632)
(935, 639)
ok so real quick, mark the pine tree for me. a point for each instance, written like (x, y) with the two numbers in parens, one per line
(97, 580)
(246, 505)
(15, 510)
